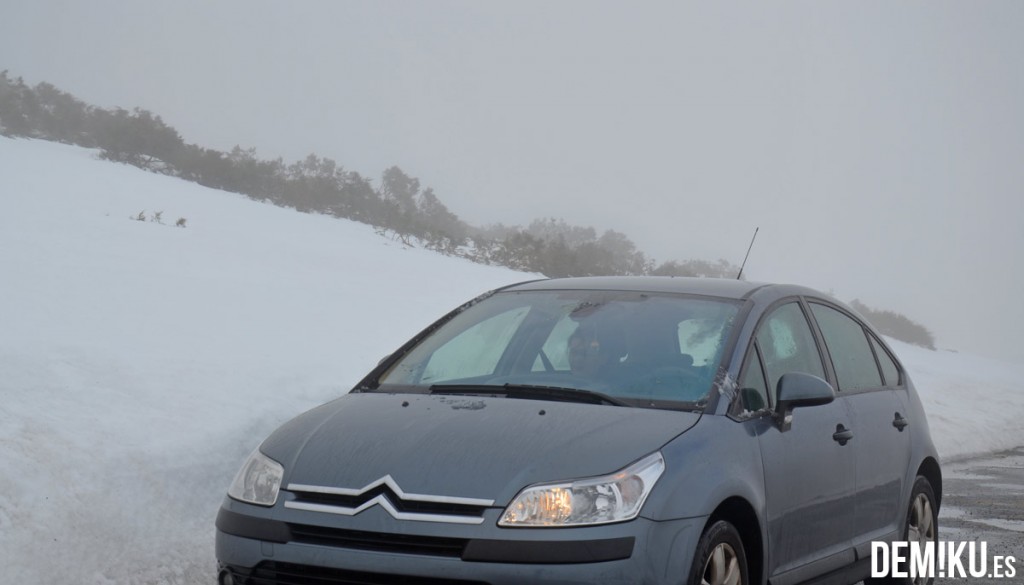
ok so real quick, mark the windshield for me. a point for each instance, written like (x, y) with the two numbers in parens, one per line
(645, 349)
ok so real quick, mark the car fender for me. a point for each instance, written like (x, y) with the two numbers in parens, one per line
(719, 458)
(922, 447)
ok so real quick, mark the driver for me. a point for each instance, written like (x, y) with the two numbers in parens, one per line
(591, 354)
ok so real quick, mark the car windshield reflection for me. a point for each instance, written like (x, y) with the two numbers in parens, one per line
(638, 349)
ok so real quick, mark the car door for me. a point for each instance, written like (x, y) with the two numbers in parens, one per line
(809, 474)
(882, 447)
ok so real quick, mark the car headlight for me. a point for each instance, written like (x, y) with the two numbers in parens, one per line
(258, 481)
(596, 500)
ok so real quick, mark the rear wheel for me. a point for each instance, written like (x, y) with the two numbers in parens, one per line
(922, 526)
(720, 558)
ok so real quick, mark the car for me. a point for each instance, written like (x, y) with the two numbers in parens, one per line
(613, 430)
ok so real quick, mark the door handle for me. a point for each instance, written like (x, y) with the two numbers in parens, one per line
(842, 435)
(900, 423)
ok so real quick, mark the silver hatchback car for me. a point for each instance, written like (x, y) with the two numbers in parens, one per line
(599, 430)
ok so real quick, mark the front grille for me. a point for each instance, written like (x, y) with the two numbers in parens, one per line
(403, 505)
(271, 573)
(396, 543)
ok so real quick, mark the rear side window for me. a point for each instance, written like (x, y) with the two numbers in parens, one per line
(849, 348)
(787, 344)
(889, 369)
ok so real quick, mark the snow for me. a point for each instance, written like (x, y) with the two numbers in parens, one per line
(140, 362)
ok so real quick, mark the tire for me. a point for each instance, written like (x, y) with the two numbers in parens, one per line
(921, 525)
(720, 558)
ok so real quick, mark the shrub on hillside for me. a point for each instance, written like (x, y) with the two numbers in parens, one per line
(896, 325)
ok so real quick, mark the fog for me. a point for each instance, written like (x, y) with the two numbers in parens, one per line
(877, 145)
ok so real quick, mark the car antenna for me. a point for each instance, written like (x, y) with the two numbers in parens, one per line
(748, 254)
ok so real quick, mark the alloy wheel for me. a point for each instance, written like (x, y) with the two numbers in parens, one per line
(722, 568)
(921, 526)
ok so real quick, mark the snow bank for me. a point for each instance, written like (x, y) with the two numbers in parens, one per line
(141, 362)
(974, 404)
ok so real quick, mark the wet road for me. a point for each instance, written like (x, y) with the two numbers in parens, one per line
(983, 501)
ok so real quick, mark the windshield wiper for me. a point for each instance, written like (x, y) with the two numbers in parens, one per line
(555, 393)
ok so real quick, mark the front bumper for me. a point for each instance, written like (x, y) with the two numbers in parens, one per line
(280, 546)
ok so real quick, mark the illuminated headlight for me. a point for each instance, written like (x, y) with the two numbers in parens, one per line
(597, 500)
(258, 481)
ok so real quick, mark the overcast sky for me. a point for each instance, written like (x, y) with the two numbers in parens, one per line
(879, 146)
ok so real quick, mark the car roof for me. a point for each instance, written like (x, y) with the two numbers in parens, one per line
(717, 287)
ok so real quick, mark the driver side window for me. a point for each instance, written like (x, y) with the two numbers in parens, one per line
(753, 389)
(554, 348)
(475, 351)
(787, 345)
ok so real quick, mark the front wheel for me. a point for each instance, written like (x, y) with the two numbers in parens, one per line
(922, 526)
(720, 558)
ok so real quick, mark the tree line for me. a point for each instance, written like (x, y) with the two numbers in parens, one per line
(396, 204)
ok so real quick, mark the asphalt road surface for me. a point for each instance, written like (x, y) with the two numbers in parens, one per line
(983, 501)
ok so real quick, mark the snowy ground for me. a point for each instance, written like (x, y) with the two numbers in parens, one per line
(140, 362)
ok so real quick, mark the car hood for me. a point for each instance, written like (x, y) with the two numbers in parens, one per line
(465, 446)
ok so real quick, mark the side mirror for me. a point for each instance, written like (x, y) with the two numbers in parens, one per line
(800, 389)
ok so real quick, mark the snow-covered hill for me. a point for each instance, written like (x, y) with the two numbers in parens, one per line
(140, 362)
